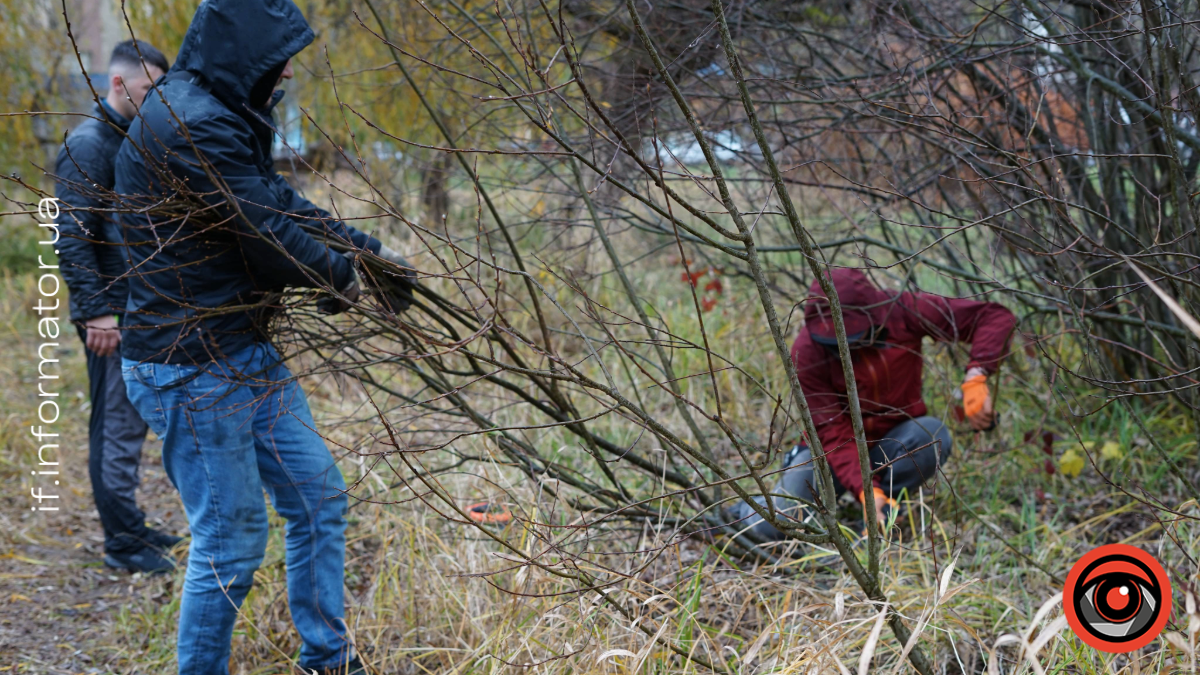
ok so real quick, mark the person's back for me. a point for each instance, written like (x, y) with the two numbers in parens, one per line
(84, 167)
(209, 224)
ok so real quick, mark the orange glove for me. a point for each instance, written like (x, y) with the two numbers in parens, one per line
(884, 506)
(977, 405)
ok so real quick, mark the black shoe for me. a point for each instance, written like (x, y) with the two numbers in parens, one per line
(354, 667)
(147, 560)
(792, 455)
(162, 540)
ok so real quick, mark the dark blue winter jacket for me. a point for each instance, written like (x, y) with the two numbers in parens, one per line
(209, 226)
(89, 255)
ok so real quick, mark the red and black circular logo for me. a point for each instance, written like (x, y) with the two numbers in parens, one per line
(1117, 598)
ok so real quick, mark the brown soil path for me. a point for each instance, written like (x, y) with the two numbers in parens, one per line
(59, 605)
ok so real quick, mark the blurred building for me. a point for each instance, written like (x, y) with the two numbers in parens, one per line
(97, 26)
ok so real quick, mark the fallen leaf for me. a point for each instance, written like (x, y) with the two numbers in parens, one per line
(17, 596)
(1111, 450)
(1071, 463)
(614, 652)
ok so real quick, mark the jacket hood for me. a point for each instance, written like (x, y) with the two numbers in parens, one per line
(864, 307)
(232, 43)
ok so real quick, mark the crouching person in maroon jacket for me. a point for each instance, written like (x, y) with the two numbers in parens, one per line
(885, 330)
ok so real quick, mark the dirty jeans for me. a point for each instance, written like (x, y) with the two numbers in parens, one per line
(903, 459)
(232, 428)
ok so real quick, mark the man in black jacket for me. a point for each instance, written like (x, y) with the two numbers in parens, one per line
(212, 233)
(93, 267)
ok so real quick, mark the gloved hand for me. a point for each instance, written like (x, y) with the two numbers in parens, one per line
(885, 506)
(396, 286)
(332, 304)
(977, 401)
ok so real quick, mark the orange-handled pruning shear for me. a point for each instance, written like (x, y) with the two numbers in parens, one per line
(487, 513)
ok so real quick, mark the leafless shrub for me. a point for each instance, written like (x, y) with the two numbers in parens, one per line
(1039, 155)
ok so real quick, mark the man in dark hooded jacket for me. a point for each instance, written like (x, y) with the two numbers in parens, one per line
(884, 330)
(93, 267)
(211, 231)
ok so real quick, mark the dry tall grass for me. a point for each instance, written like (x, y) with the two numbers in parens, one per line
(967, 566)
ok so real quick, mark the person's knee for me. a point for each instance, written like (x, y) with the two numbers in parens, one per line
(914, 451)
(321, 502)
(234, 546)
(926, 435)
(331, 512)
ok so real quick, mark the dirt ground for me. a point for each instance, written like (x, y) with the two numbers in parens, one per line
(59, 604)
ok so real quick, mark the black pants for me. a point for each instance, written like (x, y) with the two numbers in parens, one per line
(116, 433)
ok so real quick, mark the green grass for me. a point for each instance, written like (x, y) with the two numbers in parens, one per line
(19, 253)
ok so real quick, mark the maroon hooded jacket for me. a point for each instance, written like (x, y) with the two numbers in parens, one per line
(888, 376)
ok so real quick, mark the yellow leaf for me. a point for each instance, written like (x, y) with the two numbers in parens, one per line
(17, 596)
(1112, 450)
(1071, 463)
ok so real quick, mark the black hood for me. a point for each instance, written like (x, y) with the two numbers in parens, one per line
(232, 43)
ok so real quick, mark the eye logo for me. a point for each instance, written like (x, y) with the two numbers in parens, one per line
(1117, 598)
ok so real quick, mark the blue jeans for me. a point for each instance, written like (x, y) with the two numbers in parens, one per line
(231, 429)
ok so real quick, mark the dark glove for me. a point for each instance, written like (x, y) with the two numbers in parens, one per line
(333, 304)
(395, 285)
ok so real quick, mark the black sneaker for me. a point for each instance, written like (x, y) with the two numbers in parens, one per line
(790, 458)
(147, 560)
(354, 667)
(161, 540)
